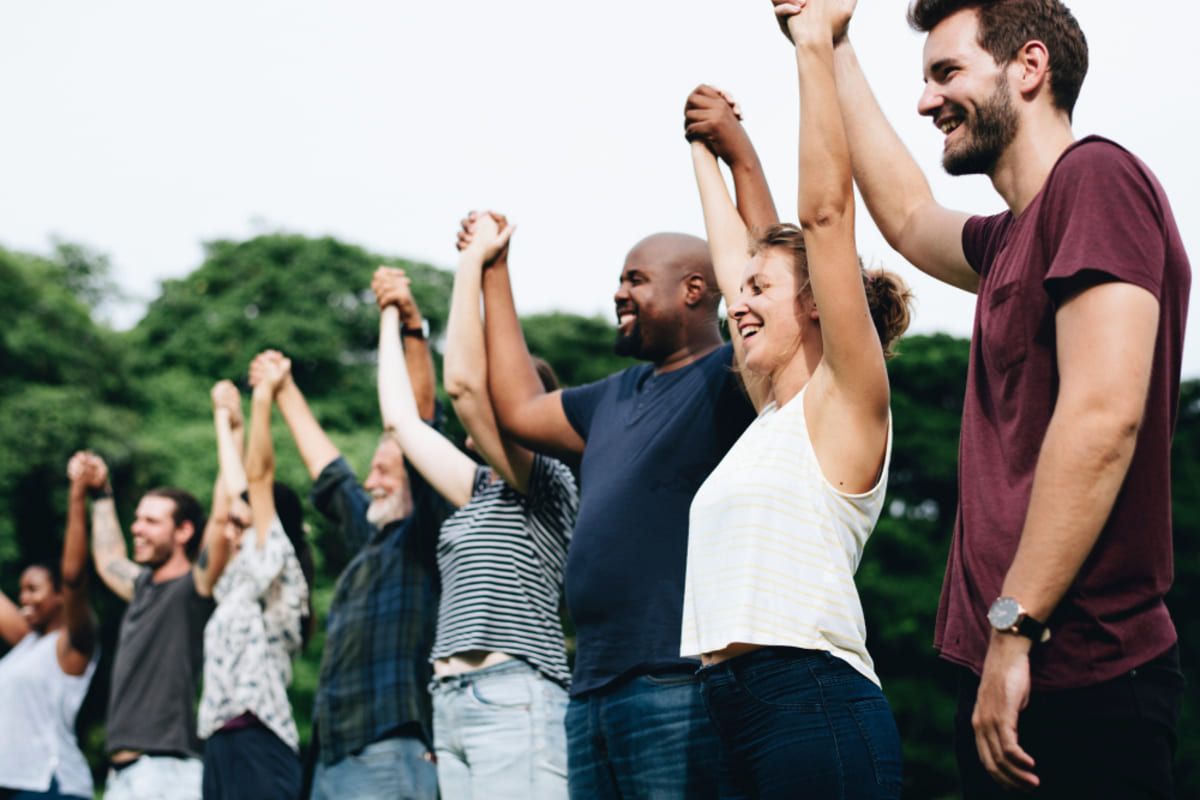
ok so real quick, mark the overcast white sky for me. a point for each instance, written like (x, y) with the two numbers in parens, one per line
(145, 128)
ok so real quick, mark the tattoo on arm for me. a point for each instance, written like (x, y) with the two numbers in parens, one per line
(202, 561)
(106, 531)
(108, 549)
(124, 569)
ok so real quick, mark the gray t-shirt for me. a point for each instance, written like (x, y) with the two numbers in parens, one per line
(152, 702)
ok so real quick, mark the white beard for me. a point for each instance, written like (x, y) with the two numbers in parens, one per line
(388, 508)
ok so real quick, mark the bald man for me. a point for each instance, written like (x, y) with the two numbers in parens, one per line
(645, 439)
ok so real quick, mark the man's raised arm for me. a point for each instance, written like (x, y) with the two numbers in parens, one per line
(523, 409)
(314, 445)
(895, 190)
(108, 543)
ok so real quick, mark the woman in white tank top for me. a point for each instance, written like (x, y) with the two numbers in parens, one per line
(45, 676)
(777, 530)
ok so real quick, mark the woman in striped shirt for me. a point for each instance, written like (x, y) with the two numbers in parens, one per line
(500, 668)
(778, 528)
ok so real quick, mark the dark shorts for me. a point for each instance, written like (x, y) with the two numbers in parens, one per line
(1112, 740)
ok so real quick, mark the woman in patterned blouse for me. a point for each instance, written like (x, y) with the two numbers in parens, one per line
(264, 613)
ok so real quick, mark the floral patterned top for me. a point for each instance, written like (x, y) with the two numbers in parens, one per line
(252, 636)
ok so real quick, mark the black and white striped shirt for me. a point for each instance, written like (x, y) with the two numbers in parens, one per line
(502, 557)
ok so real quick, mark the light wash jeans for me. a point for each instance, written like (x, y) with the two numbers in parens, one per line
(498, 733)
(397, 768)
(156, 778)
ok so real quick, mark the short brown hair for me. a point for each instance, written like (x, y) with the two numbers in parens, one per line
(1005, 26)
(187, 509)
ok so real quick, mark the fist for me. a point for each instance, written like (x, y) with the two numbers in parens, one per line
(270, 370)
(225, 395)
(711, 116)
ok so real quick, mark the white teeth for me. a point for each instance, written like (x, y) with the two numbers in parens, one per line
(749, 329)
(624, 318)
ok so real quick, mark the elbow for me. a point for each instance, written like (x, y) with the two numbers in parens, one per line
(1111, 428)
(460, 385)
(826, 214)
(73, 574)
(260, 470)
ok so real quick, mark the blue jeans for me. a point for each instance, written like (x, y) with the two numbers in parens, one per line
(498, 733)
(647, 738)
(801, 723)
(397, 768)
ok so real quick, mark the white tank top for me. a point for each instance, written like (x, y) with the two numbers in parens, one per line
(38, 705)
(773, 547)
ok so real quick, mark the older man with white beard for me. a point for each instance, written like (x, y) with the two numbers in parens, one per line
(371, 722)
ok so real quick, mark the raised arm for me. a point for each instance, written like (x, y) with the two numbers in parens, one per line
(108, 543)
(260, 455)
(483, 240)
(230, 433)
(713, 128)
(418, 358)
(851, 347)
(524, 411)
(895, 190)
(13, 627)
(76, 648)
(449, 471)
(316, 450)
(712, 117)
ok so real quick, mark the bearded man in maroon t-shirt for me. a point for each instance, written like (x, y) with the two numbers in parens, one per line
(1053, 599)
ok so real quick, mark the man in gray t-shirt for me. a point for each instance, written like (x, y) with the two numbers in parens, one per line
(151, 731)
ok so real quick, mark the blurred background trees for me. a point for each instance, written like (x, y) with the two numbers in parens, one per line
(140, 399)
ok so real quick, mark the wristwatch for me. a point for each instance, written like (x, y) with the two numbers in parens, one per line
(1008, 616)
(421, 332)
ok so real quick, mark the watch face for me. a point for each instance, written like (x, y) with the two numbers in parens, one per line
(1004, 613)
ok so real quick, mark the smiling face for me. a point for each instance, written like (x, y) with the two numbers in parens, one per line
(967, 94)
(41, 603)
(155, 534)
(387, 483)
(772, 313)
(651, 300)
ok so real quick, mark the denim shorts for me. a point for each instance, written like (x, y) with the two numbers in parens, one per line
(801, 723)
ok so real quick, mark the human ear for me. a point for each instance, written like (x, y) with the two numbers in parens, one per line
(695, 288)
(1032, 65)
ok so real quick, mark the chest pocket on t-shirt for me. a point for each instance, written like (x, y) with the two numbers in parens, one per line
(1005, 326)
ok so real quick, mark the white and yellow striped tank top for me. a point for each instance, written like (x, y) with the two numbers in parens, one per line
(773, 547)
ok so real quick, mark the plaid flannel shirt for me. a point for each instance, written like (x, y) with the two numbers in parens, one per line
(380, 628)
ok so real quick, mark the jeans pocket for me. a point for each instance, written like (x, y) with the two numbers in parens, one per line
(782, 687)
(875, 722)
(501, 693)
(552, 731)
(670, 678)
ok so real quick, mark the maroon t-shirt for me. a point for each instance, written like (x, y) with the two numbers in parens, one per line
(1101, 216)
